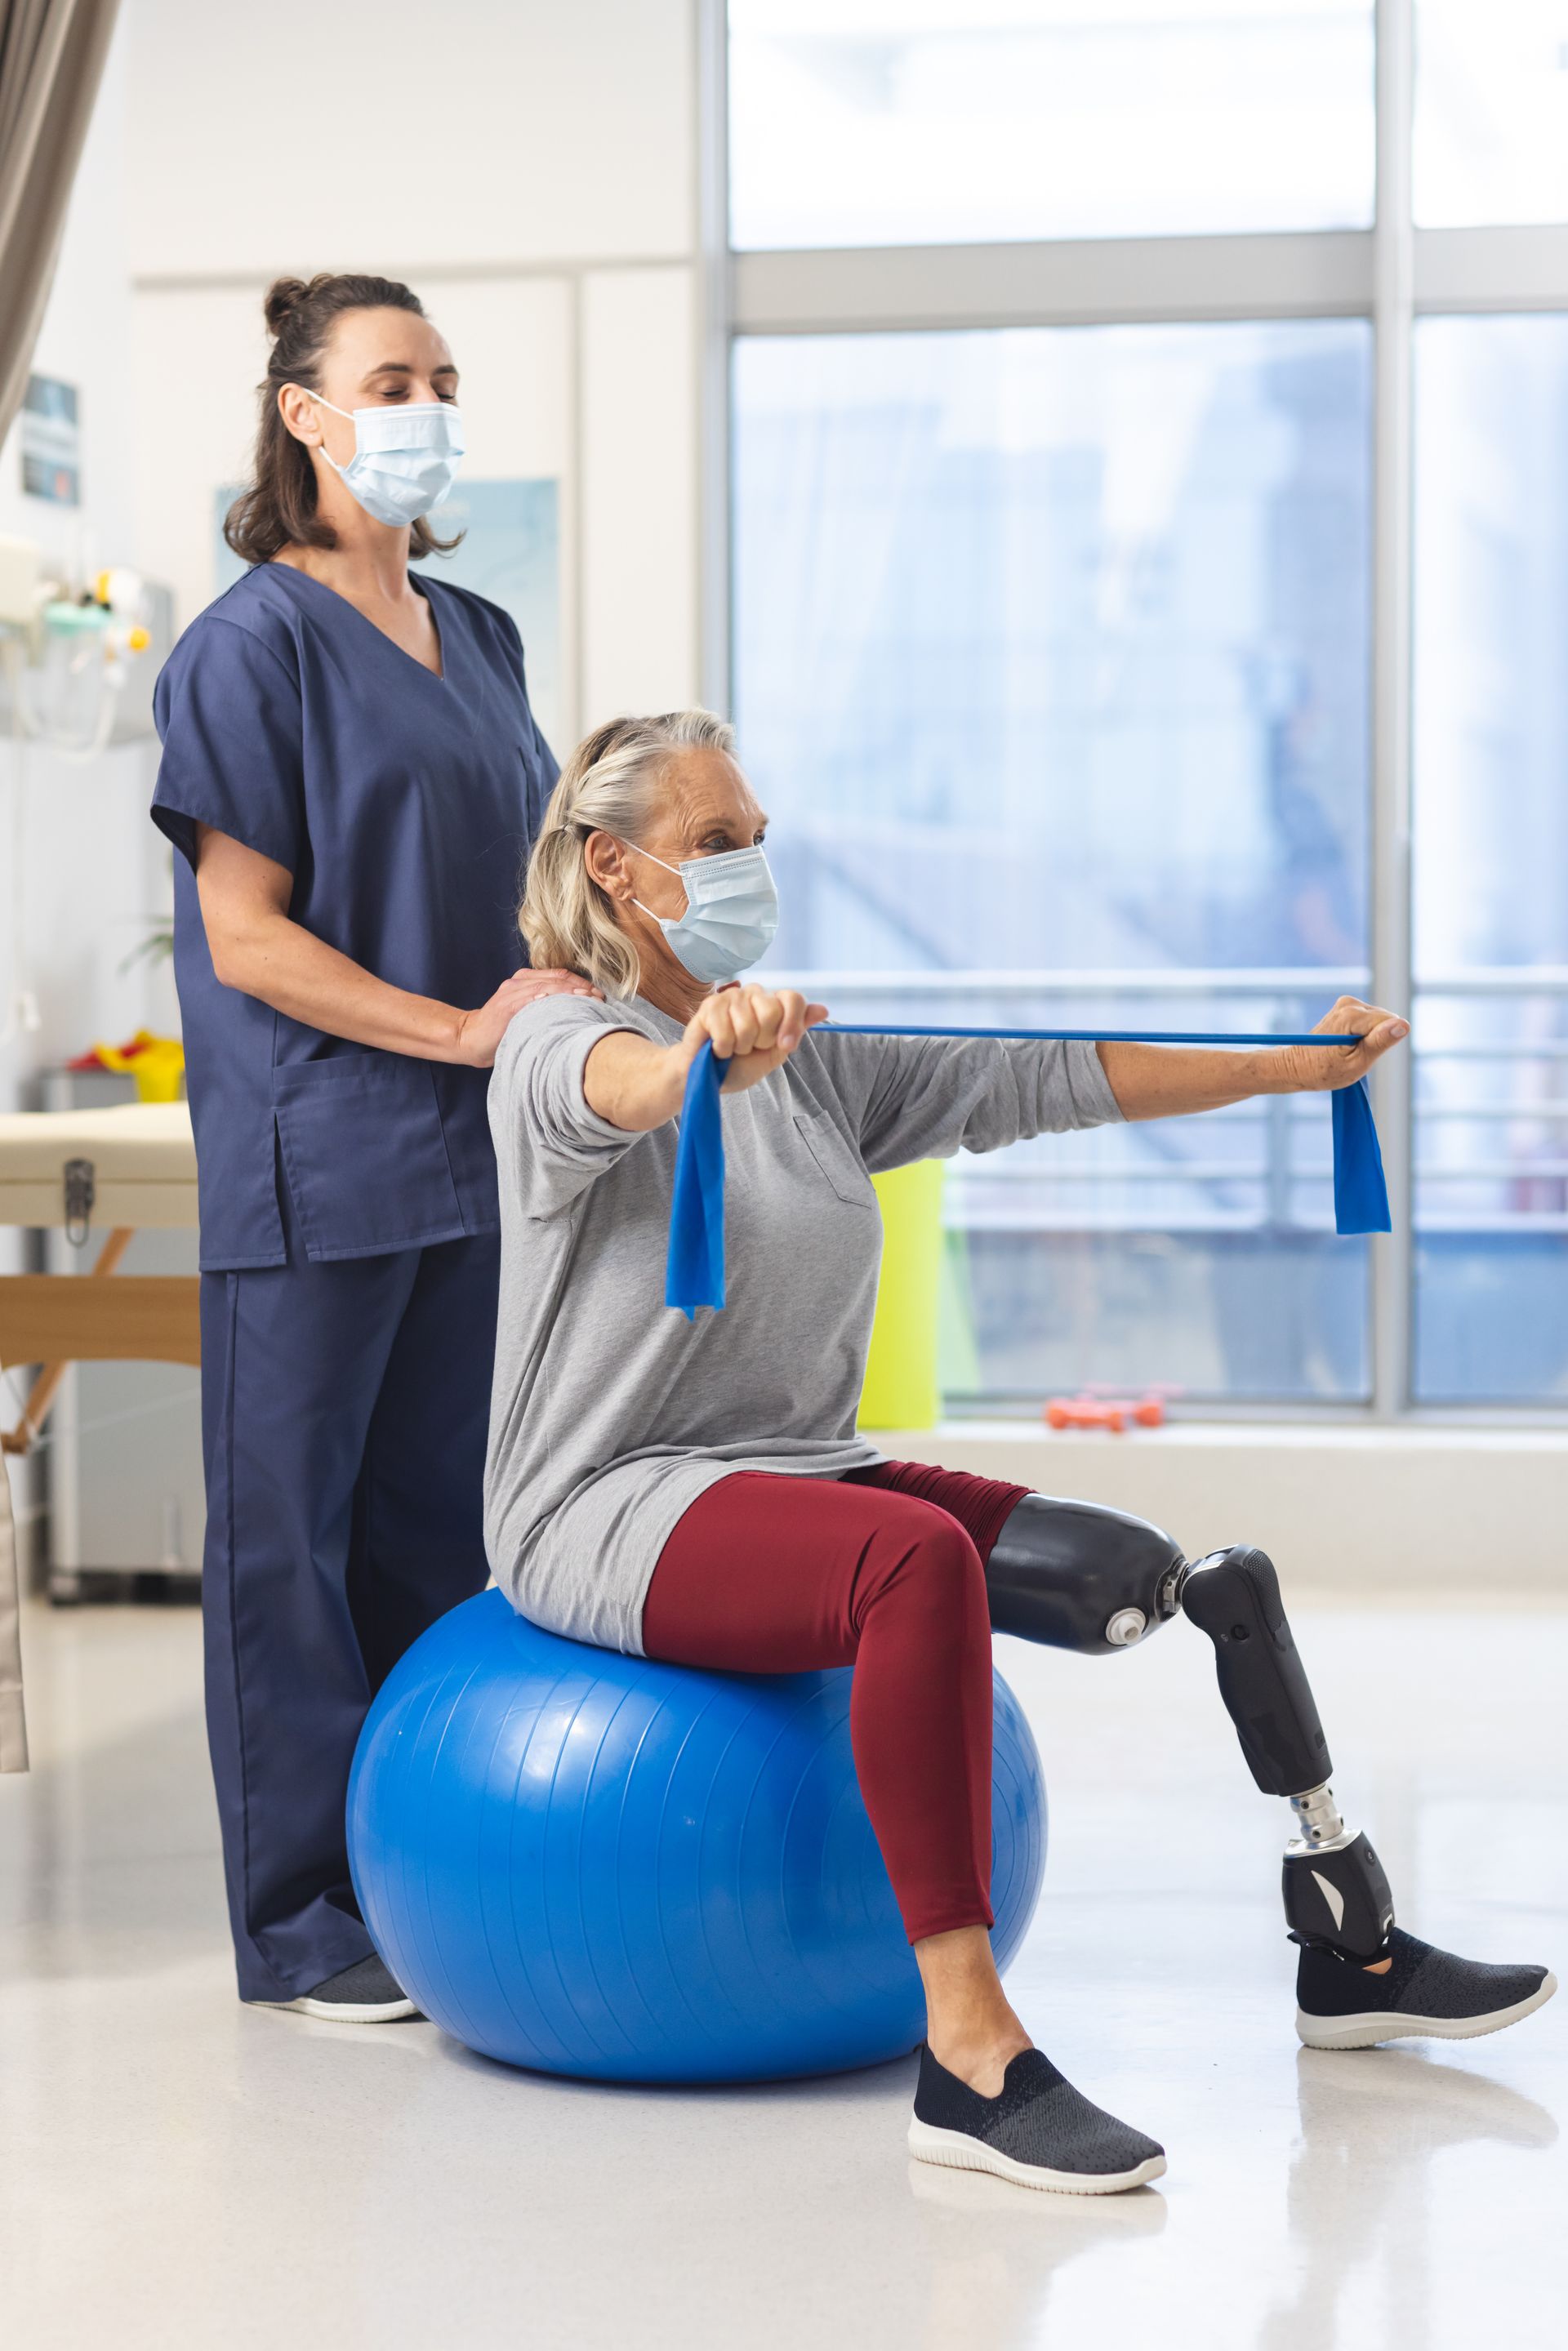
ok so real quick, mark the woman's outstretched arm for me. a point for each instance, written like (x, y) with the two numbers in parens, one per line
(1171, 1080)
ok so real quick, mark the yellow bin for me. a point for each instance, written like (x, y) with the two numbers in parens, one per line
(901, 1388)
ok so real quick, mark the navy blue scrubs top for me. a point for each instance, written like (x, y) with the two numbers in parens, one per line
(404, 805)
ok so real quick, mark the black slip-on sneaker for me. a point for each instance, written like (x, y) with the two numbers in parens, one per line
(366, 1993)
(1039, 2131)
(1424, 1994)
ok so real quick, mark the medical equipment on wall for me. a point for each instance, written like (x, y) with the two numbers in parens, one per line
(76, 661)
(67, 649)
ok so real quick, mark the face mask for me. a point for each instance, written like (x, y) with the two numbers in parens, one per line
(732, 913)
(405, 457)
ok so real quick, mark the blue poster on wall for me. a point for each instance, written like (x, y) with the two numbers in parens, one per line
(51, 441)
(510, 552)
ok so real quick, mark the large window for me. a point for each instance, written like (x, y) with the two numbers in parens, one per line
(929, 121)
(1492, 115)
(1051, 657)
(1492, 858)
(1118, 640)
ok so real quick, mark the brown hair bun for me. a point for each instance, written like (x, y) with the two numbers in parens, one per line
(283, 295)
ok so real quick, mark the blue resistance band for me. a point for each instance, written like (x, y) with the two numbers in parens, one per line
(693, 1269)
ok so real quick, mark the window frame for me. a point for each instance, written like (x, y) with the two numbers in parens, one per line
(1391, 275)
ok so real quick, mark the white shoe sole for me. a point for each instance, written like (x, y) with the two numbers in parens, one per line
(960, 2152)
(1366, 2032)
(344, 2011)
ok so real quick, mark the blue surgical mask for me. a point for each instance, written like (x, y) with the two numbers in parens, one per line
(406, 457)
(732, 913)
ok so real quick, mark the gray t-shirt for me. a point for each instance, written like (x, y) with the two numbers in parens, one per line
(612, 1411)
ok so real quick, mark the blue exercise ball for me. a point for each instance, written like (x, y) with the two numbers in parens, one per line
(595, 1865)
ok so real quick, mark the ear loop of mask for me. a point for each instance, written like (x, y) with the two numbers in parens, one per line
(324, 400)
(325, 403)
(669, 869)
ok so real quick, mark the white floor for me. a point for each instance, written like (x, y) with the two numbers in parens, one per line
(175, 2170)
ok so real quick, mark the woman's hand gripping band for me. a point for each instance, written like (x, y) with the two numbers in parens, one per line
(1150, 1079)
(636, 1085)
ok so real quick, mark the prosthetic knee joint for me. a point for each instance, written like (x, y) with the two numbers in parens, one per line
(1334, 1887)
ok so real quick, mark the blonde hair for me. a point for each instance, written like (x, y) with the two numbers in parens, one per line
(609, 783)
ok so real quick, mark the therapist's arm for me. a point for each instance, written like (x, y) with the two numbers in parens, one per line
(1171, 1081)
(257, 949)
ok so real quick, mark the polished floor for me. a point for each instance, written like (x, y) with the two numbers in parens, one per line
(176, 2171)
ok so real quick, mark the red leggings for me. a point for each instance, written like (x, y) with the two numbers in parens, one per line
(884, 1569)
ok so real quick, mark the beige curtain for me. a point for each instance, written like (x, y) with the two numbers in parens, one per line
(51, 58)
(13, 1723)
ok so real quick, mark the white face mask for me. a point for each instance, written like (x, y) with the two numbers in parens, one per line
(732, 912)
(406, 457)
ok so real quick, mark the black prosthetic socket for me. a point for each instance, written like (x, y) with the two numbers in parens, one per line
(1075, 1576)
(1338, 1897)
(1234, 1597)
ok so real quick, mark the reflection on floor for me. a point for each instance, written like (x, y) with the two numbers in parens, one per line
(177, 2171)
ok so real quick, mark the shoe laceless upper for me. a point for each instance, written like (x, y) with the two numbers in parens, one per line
(1037, 2118)
(366, 1984)
(1422, 1981)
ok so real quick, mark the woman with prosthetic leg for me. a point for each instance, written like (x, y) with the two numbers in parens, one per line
(1078, 1577)
(698, 1491)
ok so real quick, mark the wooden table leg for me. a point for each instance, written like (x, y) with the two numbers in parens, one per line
(42, 1394)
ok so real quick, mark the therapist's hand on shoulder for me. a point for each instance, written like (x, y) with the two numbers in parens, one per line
(258, 948)
(479, 1033)
(755, 1030)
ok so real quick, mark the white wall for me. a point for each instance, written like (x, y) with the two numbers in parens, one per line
(380, 134)
(537, 190)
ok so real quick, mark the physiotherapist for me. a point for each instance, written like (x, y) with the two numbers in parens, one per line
(353, 777)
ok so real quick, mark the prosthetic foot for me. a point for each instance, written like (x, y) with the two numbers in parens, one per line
(1417, 1994)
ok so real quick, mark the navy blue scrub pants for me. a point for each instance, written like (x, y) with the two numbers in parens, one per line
(344, 1417)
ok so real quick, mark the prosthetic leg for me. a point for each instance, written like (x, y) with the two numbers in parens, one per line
(1334, 1887)
(1076, 1576)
